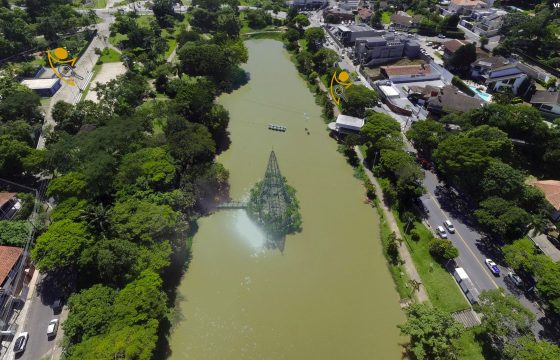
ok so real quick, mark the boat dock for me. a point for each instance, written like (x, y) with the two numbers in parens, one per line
(277, 127)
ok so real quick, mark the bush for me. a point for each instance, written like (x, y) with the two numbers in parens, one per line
(462, 86)
(370, 190)
(455, 34)
(415, 235)
(443, 249)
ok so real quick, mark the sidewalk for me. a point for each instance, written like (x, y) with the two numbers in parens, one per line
(421, 294)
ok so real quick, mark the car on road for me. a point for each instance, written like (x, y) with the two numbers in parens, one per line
(441, 36)
(21, 341)
(492, 266)
(52, 328)
(515, 279)
(441, 232)
(449, 226)
(429, 43)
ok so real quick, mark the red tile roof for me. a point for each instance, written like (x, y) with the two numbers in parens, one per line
(453, 45)
(9, 256)
(5, 197)
(551, 190)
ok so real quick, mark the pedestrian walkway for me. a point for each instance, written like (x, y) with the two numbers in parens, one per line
(409, 267)
(469, 318)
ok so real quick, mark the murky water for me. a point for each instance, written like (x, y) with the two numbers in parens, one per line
(329, 295)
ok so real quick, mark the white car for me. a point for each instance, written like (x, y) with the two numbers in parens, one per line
(52, 329)
(449, 226)
(441, 232)
(21, 341)
(493, 267)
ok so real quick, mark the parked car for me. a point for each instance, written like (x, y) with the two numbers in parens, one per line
(516, 280)
(429, 43)
(52, 328)
(441, 232)
(449, 226)
(492, 266)
(21, 341)
(441, 36)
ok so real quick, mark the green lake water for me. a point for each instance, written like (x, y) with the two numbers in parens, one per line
(329, 295)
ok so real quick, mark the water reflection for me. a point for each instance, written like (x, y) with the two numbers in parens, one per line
(253, 235)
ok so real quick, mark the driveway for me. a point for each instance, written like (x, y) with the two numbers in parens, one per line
(108, 72)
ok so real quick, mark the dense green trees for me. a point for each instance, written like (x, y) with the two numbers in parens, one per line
(315, 36)
(258, 19)
(432, 332)
(13, 233)
(359, 98)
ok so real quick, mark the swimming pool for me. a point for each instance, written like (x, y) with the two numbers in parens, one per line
(484, 96)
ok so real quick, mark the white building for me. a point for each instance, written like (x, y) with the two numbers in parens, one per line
(346, 124)
(484, 22)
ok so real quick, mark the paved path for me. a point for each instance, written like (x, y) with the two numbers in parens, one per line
(409, 267)
(107, 72)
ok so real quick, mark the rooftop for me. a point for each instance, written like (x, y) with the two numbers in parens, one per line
(5, 197)
(551, 190)
(349, 121)
(9, 255)
(546, 97)
(468, 2)
(37, 84)
(450, 99)
(453, 45)
(492, 62)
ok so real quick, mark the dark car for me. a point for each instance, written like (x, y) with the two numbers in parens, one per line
(21, 341)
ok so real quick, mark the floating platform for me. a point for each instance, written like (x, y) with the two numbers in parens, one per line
(277, 127)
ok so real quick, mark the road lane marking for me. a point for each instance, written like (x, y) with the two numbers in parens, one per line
(464, 242)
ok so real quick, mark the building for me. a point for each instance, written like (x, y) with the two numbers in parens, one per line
(481, 67)
(464, 7)
(308, 4)
(9, 205)
(382, 48)
(450, 100)
(409, 73)
(349, 4)
(43, 87)
(451, 46)
(547, 101)
(364, 14)
(403, 21)
(346, 124)
(551, 190)
(347, 34)
(484, 22)
(11, 257)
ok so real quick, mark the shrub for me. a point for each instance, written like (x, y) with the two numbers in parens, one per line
(415, 235)
(462, 86)
(443, 249)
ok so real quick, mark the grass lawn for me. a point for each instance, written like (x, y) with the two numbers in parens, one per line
(440, 285)
(386, 17)
(93, 4)
(86, 90)
(110, 55)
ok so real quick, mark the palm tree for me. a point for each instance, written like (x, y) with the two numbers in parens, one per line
(97, 217)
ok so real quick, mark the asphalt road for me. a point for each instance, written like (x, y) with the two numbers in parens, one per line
(442, 204)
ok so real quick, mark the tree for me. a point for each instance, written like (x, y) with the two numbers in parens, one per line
(315, 38)
(432, 332)
(228, 23)
(463, 58)
(148, 168)
(258, 19)
(304, 61)
(123, 93)
(13, 233)
(502, 218)
(324, 59)
(443, 249)
(67, 185)
(291, 35)
(300, 21)
(91, 313)
(484, 41)
(192, 145)
(504, 318)
(60, 246)
(381, 131)
(520, 255)
(21, 104)
(359, 98)
(501, 180)
(163, 10)
(426, 135)
(527, 348)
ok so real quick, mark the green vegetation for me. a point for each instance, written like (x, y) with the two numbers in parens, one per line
(110, 55)
(386, 17)
(440, 285)
(13, 233)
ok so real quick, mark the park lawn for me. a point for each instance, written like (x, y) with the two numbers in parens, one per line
(469, 347)
(95, 4)
(110, 55)
(440, 285)
(386, 17)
